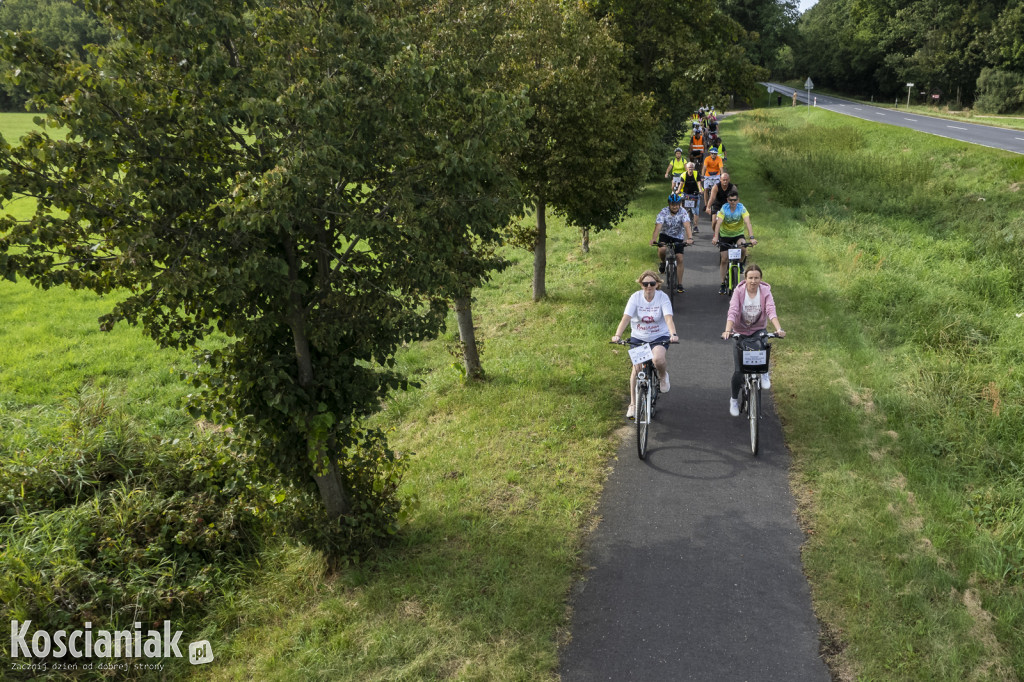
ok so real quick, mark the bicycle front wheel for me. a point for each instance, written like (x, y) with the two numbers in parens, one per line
(670, 279)
(754, 412)
(734, 276)
(643, 419)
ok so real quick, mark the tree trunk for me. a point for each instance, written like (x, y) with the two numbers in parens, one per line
(586, 240)
(470, 353)
(332, 490)
(540, 255)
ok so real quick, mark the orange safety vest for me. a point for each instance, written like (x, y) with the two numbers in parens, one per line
(697, 144)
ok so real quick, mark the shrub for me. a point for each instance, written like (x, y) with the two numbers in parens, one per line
(1001, 92)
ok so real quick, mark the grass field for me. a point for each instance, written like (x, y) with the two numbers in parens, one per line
(898, 388)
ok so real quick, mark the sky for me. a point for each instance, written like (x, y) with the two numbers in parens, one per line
(806, 5)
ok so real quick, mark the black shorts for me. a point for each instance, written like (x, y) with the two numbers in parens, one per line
(726, 243)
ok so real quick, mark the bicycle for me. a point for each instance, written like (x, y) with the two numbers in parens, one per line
(648, 388)
(754, 357)
(692, 202)
(734, 272)
(671, 276)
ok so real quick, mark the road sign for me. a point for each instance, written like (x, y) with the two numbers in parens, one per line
(910, 85)
(809, 84)
(771, 89)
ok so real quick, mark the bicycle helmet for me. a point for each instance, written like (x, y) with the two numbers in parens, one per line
(674, 198)
(678, 149)
(714, 150)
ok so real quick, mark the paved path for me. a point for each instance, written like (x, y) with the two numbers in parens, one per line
(988, 136)
(694, 569)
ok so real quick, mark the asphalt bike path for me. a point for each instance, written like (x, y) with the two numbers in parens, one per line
(693, 571)
(987, 136)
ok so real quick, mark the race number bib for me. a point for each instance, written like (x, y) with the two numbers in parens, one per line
(689, 203)
(755, 357)
(735, 254)
(641, 353)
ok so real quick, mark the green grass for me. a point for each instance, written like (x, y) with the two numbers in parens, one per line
(902, 404)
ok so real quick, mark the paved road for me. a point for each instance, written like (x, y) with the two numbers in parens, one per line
(988, 136)
(694, 569)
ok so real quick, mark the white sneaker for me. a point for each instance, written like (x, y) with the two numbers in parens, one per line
(664, 383)
(630, 412)
(734, 407)
(766, 381)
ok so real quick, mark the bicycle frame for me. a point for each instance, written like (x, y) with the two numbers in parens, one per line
(734, 270)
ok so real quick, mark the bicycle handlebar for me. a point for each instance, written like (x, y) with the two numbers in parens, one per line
(767, 335)
(626, 342)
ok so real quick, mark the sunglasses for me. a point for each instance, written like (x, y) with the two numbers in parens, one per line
(649, 284)
(733, 199)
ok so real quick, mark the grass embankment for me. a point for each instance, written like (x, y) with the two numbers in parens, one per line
(898, 263)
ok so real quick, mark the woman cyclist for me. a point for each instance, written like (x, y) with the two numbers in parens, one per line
(649, 314)
(750, 308)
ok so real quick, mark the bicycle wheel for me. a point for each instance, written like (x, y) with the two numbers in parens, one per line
(643, 419)
(754, 412)
(670, 279)
(734, 276)
(655, 387)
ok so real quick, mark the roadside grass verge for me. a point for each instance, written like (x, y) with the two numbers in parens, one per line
(898, 259)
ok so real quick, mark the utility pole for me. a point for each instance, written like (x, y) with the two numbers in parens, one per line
(909, 85)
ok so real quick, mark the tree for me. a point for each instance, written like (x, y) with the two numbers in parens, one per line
(302, 177)
(683, 60)
(588, 134)
(57, 23)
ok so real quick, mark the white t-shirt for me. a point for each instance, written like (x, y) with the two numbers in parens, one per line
(648, 319)
(751, 306)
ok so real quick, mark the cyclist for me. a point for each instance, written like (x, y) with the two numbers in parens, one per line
(691, 192)
(712, 125)
(676, 167)
(712, 172)
(673, 225)
(750, 308)
(649, 314)
(717, 198)
(715, 141)
(729, 232)
(697, 145)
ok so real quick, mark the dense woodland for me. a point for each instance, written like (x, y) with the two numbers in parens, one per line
(971, 54)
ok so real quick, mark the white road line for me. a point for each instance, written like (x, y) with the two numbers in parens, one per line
(858, 109)
(912, 120)
(880, 113)
(956, 127)
(1019, 138)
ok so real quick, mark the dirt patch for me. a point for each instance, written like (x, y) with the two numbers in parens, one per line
(992, 666)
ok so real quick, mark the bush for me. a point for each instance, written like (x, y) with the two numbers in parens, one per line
(1000, 92)
(102, 523)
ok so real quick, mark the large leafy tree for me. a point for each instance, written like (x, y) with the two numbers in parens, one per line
(586, 156)
(302, 177)
(684, 55)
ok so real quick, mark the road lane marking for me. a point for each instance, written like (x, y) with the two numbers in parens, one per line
(1019, 138)
(956, 127)
(912, 120)
(858, 109)
(880, 113)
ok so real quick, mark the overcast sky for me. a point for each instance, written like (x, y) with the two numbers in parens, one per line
(806, 5)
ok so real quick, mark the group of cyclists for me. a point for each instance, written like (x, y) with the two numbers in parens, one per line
(699, 183)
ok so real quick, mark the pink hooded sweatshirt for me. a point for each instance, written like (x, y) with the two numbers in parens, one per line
(767, 309)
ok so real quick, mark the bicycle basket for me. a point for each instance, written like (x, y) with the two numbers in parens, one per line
(754, 355)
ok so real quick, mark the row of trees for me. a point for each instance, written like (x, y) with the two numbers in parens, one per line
(319, 180)
(971, 52)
